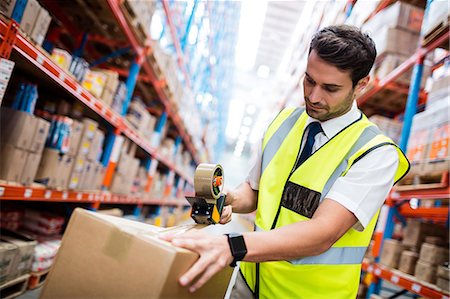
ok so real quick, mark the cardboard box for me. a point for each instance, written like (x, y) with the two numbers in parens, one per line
(30, 169)
(17, 128)
(398, 15)
(395, 40)
(7, 7)
(408, 262)
(24, 258)
(96, 146)
(12, 162)
(65, 169)
(41, 26)
(425, 271)
(122, 259)
(433, 254)
(62, 58)
(392, 250)
(88, 135)
(8, 253)
(416, 231)
(49, 168)
(40, 135)
(443, 284)
(76, 175)
(29, 16)
(443, 272)
(94, 82)
(76, 131)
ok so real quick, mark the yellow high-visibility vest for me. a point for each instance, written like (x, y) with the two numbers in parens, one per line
(336, 272)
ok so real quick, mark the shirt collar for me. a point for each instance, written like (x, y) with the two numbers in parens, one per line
(335, 125)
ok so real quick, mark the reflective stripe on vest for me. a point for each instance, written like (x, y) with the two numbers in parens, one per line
(333, 256)
(278, 137)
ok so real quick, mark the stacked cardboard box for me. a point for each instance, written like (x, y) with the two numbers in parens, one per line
(22, 140)
(142, 13)
(408, 262)
(443, 277)
(126, 169)
(391, 127)
(87, 169)
(437, 15)
(18, 255)
(118, 259)
(6, 68)
(62, 58)
(416, 232)
(140, 118)
(430, 257)
(392, 250)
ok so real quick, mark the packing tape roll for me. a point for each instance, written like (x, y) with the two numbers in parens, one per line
(208, 180)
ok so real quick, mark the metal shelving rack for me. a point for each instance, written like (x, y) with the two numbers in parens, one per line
(397, 204)
(12, 39)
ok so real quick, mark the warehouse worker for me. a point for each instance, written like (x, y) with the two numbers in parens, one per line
(322, 176)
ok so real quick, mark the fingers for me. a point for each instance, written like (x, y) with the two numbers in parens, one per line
(227, 213)
(207, 274)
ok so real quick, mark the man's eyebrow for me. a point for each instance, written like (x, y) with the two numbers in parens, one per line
(326, 84)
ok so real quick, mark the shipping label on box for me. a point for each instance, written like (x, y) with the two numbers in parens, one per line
(122, 259)
(12, 162)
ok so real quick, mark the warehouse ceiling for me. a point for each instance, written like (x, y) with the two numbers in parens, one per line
(279, 23)
(256, 85)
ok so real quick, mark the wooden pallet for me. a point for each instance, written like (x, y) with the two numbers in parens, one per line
(37, 279)
(15, 287)
(441, 27)
(419, 181)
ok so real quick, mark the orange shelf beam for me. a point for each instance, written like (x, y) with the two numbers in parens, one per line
(21, 193)
(404, 281)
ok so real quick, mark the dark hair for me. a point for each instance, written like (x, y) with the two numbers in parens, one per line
(347, 48)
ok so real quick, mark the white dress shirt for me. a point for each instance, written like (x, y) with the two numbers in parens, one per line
(364, 188)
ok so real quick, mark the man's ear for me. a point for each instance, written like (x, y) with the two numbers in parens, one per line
(362, 84)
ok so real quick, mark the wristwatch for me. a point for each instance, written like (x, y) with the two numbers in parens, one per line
(237, 247)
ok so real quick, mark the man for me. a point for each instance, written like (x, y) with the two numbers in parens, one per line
(321, 179)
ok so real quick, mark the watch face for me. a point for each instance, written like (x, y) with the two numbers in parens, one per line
(238, 248)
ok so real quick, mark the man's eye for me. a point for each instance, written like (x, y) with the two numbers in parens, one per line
(309, 80)
(331, 89)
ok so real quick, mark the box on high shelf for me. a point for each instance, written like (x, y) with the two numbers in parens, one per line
(94, 82)
(398, 15)
(425, 271)
(41, 26)
(118, 259)
(392, 250)
(433, 254)
(62, 58)
(438, 148)
(395, 40)
(387, 62)
(138, 115)
(110, 86)
(6, 68)
(408, 260)
(391, 127)
(416, 231)
(443, 277)
(439, 90)
(29, 16)
(54, 169)
(437, 15)
(23, 130)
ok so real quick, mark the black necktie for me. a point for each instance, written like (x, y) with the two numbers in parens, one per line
(314, 129)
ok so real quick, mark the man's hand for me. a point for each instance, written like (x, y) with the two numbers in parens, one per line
(227, 212)
(214, 253)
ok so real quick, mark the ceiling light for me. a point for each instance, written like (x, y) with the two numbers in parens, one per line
(251, 109)
(263, 71)
(247, 121)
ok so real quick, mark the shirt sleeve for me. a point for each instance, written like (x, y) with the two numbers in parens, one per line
(366, 185)
(255, 172)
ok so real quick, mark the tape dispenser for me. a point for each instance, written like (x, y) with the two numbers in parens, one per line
(208, 202)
